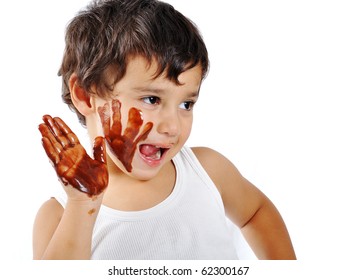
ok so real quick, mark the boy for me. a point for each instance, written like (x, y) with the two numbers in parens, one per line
(132, 72)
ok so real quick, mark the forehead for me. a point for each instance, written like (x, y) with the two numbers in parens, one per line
(141, 72)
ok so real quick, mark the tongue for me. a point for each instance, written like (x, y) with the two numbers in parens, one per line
(149, 150)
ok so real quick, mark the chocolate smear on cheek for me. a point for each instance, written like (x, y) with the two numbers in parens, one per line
(123, 145)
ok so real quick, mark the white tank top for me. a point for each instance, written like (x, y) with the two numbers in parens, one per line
(189, 224)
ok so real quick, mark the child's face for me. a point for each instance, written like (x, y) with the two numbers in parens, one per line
(159, 122)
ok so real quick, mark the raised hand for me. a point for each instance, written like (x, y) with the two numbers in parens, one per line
(123, 145)
(70, 160)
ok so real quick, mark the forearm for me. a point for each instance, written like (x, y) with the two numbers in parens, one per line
(73, 236)
(268, 236)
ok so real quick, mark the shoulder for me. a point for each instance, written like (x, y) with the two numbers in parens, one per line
(52, 207)
(219, 168)
(47, 219)
(240, 197)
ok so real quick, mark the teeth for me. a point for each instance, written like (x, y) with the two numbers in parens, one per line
(156, 156)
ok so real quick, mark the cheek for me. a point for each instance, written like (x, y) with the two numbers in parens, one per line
(186, 127)
(124, 115)
(188, 130)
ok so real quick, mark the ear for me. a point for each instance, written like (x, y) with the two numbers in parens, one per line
(80, 98)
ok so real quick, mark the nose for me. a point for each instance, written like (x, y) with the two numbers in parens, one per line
(169, 124)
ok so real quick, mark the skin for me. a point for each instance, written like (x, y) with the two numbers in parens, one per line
(123, 146)
(70, 160)
(167, 113)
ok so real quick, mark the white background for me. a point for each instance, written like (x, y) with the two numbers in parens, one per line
(279, 102)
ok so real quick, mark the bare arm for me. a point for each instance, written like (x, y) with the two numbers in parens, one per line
(259, 220)
(66, 233)
(267, 234)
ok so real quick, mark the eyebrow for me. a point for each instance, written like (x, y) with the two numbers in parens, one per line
(160, 91)
(149, 89)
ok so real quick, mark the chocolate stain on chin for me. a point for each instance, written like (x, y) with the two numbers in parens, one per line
(123, 145)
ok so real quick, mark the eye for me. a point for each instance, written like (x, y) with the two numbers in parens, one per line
(152, 100)
(187, 105)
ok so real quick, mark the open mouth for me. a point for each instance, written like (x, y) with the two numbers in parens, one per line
(152, 152)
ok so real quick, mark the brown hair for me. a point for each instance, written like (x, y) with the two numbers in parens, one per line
(104, 35)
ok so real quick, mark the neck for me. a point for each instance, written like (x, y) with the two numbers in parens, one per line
(128, 193)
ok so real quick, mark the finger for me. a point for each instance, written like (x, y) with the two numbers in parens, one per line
(117, 127)
(57, 132)
(69, 136)
(50, 150)
(51, 124)
(47, 129)
(105, 118)
(99, 149)
(135, 121)
(145, 132)
(48, 134)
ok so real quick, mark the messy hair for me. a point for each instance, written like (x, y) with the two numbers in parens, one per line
(102, 37)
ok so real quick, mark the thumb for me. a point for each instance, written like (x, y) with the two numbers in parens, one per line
(99, 149)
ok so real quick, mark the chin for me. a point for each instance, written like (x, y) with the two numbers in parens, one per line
(143, 170)
(142, 175)
(139, 171)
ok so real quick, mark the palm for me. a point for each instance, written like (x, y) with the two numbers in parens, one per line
(70, 160)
